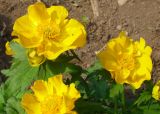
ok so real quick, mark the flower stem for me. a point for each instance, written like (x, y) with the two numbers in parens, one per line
(123, 101)
(116, 106)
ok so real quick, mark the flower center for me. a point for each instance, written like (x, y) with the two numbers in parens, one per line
(52, 105)
(49, 31)
(126, 61)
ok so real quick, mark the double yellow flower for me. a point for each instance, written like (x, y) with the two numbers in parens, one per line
(51, 97)
(128, 61)
(47, 33)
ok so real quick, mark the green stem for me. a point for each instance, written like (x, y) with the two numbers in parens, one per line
(74, 54)
(115, 106)
(123, 101)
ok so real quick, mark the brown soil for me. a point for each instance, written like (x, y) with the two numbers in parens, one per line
(140, 18)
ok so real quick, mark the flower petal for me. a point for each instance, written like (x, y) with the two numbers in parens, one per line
(57, 84)
(24, 26)
(40, 89)
(155, 91)
(30, 104)
(71, 96)
(108, 60)
(137, 84)
(73, 34)
(37, 13)
(8, 49)
(148, 50)
(57, 13)
(53, 51)
(34, 58)
(122, 76)
(25, 30)
(72, 92)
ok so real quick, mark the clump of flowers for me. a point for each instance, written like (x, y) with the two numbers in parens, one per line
(156, 91)
(47, 33)
(128, 61)
(43, 34)
(52, 97)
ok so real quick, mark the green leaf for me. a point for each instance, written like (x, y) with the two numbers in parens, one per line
(143, 98)
(20, 78)
(14, 103)
(135, 110)
(9, 110)
(116, 90)
(98, 81)
(12, 69)
(96, 66)
(51, 68)
(98, 87)
(85, 20)
(2, 100)
(86, 107)
(19, 51)
(63, 58)
(152, 109)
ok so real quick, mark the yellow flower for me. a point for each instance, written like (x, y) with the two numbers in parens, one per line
(156, 91)
(34, 58)
(128, 61)
(48, 31)
(9, 51)
(52, 97)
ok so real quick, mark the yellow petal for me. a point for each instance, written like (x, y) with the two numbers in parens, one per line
(122, 34)
(122, 76)
(137, 84)
(40, 89)
(143, 65)
(23, 26)
(72, 112)
(58, 86)
(108, 60)
(25, 30)
(31, 42)
(73, 93)
(34, 58)
(37, 13)
(155, 91)
(148, 50)
(71, 96)
(30, 104)
(142, 43)
(54, 50)
(73, 34)
(8, 49)
(57, 13)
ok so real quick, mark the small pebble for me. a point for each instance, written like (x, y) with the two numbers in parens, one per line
(121, 2)
(119, 27)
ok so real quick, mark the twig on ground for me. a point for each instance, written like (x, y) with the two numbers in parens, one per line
(94, 4)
